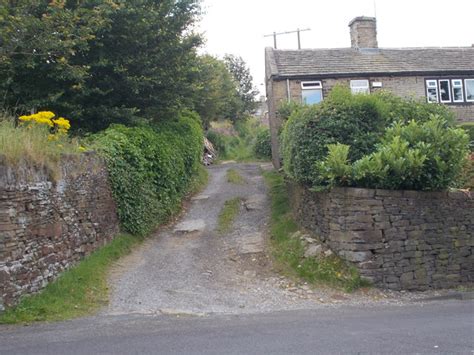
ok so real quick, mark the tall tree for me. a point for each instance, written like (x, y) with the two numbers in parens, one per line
(241, 73)
(98, 61)
(215, 93)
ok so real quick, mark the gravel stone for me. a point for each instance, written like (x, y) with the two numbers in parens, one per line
(313, 250)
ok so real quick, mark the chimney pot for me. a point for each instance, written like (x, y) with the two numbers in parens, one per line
(363, 32)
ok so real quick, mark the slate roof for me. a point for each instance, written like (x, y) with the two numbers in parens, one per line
(349, 61)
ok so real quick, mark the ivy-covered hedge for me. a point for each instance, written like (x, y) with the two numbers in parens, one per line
(375, 140)
(151, 168)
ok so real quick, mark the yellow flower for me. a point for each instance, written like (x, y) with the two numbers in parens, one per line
(46, 115)
(47, 118)
(82, 149)
(43, 117)
(43, 120)
(62, 123)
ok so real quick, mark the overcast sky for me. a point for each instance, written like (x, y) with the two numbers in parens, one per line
(238, 26)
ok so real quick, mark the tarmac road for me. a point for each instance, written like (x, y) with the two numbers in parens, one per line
(438, 327)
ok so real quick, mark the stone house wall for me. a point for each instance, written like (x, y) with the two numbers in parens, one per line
(408, 240)
(47, 225)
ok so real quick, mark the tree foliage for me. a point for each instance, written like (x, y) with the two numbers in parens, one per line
(100, 61)
(215, 94)
(244, 81)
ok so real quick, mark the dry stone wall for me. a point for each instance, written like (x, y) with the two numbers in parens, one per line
(408, 240)
(48, 224)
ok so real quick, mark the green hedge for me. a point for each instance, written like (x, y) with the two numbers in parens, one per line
(263, 144)
(151, 168)
(413, 156)
(360, 122)
(469, 128)
(356, 120)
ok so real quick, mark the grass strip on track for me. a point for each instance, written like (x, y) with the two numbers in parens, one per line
(228, 214)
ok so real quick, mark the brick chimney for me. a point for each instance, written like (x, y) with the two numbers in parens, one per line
(363, 32)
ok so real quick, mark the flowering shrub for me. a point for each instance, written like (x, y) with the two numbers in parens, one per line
(40, 138)
(57, 126)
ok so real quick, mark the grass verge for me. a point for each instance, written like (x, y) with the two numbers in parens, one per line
(289, 252)
(31, 143)
(200, 181)
(234, 177)
(79, 291)
(227, 216)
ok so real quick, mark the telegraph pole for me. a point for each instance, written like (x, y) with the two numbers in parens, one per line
(298, 31)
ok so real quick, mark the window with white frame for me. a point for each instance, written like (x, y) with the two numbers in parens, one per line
(444, 91)
(311, 92)
(360, 87)
(458, 95)
(450, 90)
(432, 90)
(469, 85)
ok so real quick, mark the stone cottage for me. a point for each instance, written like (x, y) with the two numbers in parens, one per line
(441, 75)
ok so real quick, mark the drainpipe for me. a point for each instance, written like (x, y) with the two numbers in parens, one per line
(288, 89)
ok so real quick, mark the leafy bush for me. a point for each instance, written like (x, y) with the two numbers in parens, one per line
(469, 128)
(218, 141)
(287, 108)
(395, 165)
(356, 120)
(263, 145)
(398, 109)
(466, 181)
(415, 156)
(335, 170)
(151, 168)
